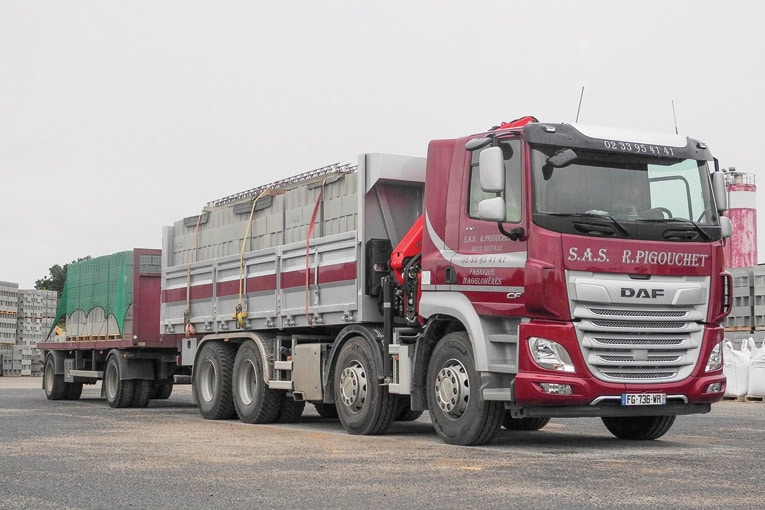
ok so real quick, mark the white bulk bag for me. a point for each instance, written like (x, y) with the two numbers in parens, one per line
(736, 369)
(757, 370)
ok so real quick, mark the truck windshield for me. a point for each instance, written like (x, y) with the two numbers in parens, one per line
(628, 190)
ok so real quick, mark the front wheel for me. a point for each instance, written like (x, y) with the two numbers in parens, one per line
(641, 428)
(459, 414)
(364, 406)
(212, 380)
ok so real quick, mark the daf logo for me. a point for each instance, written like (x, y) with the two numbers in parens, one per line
(628, 292)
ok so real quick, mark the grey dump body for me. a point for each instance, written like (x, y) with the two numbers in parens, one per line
(251, 250)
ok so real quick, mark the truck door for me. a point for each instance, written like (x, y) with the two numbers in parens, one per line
(489, 265)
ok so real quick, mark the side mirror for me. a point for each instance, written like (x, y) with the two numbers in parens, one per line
(491, 167)
(721, 194)
(726, 227)
(492, 209)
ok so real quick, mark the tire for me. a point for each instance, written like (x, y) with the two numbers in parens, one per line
(162, 389)
(291, 410)
(640, 428)
(254, 402)
(404, 411)
(212, 380)
(142, 393)
(73, 391)
(459, 414)
(119, 393)
(53, 383)
(363, 405)
(406, 414)
(328, 411)
(511, 423)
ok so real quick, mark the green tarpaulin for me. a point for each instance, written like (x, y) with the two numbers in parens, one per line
(104, 282)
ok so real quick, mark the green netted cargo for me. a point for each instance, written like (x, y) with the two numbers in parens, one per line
(97, 296)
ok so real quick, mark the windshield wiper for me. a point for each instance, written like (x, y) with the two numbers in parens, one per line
(684, 221)
(608, 217)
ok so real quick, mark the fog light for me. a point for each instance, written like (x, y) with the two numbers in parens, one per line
(557, 389)
(714, 387)
(715, 361)
(550, 355)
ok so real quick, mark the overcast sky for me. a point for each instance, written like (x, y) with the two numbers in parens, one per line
(117, 118)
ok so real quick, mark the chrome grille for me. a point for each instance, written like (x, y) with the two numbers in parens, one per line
(652, 376)
(674, 314)
(644, 341)
(638, 325)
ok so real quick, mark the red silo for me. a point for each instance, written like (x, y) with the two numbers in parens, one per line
(741, 249)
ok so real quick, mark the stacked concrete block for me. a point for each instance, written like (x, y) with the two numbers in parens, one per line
(758, 297)
(740, 317)
(37, 309)
(269, 218)
(9, 300)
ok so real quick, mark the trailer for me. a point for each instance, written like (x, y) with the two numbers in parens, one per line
(110, 306)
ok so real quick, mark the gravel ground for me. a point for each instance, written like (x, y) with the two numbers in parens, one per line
(83, 454)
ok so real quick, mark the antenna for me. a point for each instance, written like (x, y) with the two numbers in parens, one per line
(674, 116)
(580, 104)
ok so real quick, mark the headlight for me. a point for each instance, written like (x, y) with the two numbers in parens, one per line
(550, 355)
(715, 358)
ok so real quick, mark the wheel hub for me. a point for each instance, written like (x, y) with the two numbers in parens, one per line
(353, 386)
(452, 389)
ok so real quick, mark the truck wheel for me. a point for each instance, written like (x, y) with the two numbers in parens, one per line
(254, 402)
(142, 393)
(641, 428)
(162, 388)
(326, 410)
(212, 380)
(459, 414)
(404, 410)
(53, 383)
(363, 405)
(291, 410)
(73, 391)
(119, 393)
(511, 423)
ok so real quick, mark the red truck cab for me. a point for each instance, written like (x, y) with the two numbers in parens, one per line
(575, 301)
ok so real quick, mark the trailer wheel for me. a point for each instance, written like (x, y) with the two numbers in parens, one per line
(142, 393)
(326, 410)
(459, 414)
(291, 410)
(254, 402)
(73, 391)
(511, 423)
(119, 393)
(642, 428)
(212, 380)
(162, 388)
(53, 383)
(364, 406)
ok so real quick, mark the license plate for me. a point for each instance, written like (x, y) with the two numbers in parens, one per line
(644, 399)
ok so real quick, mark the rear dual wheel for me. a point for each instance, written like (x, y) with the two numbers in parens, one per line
(212, 380)
(54, 385)
(253, 400)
